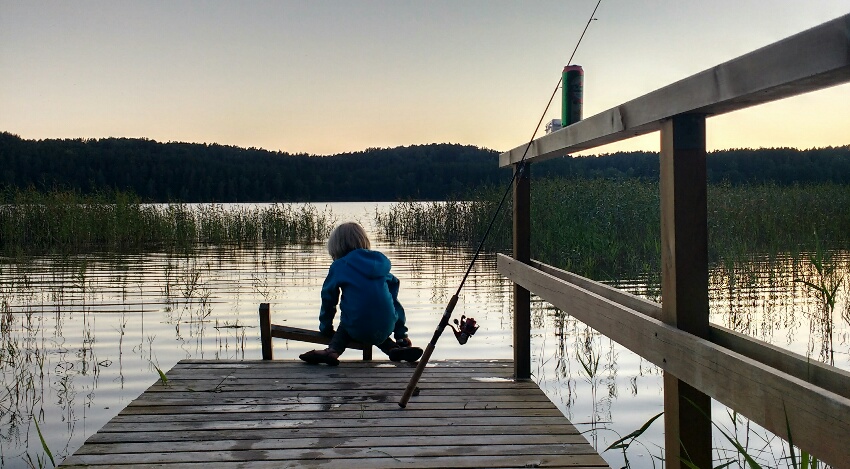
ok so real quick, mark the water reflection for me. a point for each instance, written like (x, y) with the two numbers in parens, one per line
(83, 336)
(775, 299)
(782, 300)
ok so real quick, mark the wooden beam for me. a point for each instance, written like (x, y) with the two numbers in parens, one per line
(269, 331)
(309, 336)
(811, 371)
(266, 331)
(522, 253)
(819, 419)
(684, 280)
(811, 60)
(305, 335)
(684, 224)
(641, 305)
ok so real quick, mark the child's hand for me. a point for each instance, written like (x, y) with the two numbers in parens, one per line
(405, 342)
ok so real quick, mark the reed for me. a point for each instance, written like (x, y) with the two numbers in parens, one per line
(770, 219)
(610, 229)
(68, 222)
(739, 452)
(43, 444)
(581, 225)
(453, 222)
(624, 443)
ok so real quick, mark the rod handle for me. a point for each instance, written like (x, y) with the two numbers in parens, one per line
(411, 386)
(423, 361)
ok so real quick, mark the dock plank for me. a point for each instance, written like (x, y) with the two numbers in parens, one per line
(288, 414)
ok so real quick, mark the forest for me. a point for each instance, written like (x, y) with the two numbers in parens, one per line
(196, 172)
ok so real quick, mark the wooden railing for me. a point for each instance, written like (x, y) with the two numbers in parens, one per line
(775, 388)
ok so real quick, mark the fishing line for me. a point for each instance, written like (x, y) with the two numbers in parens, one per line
(521, 164)
(520, 169)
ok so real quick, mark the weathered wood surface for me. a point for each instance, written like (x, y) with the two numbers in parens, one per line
(808, 61)
(289, 414)
(307, 335)
(522, 253)
(269, 331)
(684, 281)
(819, 374)
(819, 419)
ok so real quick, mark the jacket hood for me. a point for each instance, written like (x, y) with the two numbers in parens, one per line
(372, 264)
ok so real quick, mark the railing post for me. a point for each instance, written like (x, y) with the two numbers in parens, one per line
(522, 253)
(266, 331)
(684, 280)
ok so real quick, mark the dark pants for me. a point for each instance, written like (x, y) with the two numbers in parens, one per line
(341, 339)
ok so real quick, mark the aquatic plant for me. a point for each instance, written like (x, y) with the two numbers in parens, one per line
(610, 229)
(740, 454)
(769, 219)
(43, 443)
(453, 222)
(162, 378)
(626, 442)
(581, 225)
(825, 279)
(756, 460)
(68, 222)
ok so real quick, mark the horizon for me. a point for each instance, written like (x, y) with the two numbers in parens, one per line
(575, 155)
(326, 78)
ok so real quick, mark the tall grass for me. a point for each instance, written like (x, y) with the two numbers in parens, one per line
(611, 228)
(453, 222)
(752, 449)
(68, 222)
(275, 224)
(581, 225)
(770, 219)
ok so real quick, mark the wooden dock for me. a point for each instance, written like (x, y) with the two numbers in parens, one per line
(289, 414)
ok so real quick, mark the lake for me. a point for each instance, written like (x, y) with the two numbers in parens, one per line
(82, 336)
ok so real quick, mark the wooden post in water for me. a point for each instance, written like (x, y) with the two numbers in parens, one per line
(266, 331)
(522, 253)
(684, 280)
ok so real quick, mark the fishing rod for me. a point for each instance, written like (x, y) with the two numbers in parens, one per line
(467, 326)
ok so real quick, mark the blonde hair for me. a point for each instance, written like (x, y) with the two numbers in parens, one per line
(346, 238)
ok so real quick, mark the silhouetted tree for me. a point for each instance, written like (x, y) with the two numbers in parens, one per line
(193, 172)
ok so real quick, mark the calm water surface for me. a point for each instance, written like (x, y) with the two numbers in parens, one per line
(83, 336)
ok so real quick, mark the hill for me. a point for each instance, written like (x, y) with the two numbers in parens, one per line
(192, 172)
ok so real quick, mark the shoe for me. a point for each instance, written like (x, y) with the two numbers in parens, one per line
(314, 357)
(408, 354)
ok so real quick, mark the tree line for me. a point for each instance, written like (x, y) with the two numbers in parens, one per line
(193, 172)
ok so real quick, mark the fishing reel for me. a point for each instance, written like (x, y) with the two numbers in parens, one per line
(466, 327)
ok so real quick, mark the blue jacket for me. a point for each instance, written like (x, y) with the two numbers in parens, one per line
(370, 310)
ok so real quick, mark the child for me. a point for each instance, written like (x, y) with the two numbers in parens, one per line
(369, 310)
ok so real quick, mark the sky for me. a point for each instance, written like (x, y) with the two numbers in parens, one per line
(325, 77)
